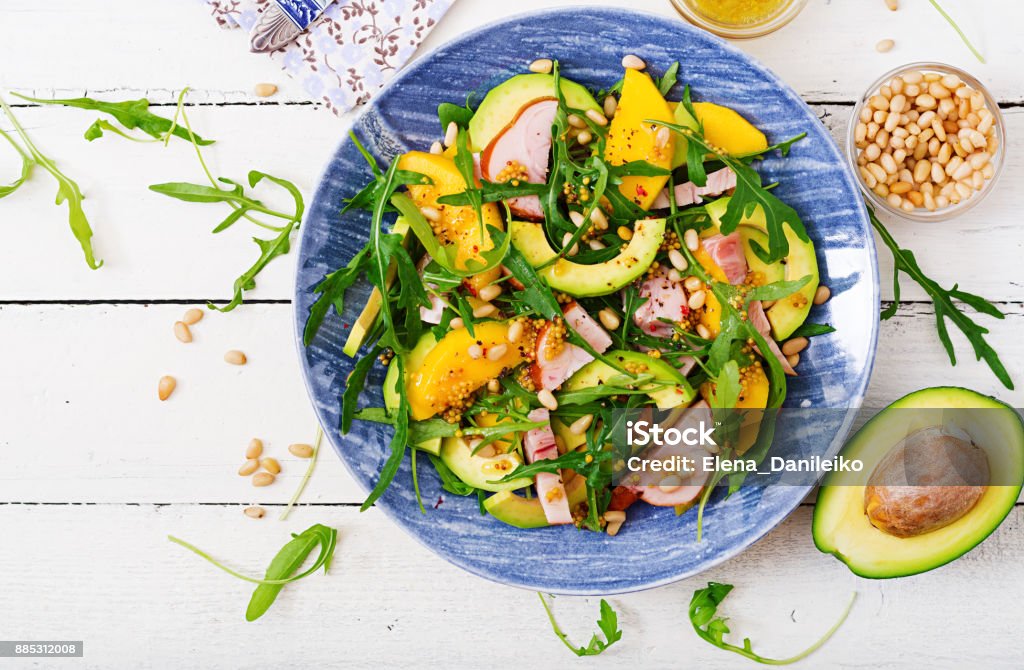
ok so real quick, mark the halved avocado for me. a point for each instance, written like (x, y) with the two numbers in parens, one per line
(501, 104)
(590, 280)
(480, 471)
(787, 314)
(841, 525)
(521, 512)
(412, 362)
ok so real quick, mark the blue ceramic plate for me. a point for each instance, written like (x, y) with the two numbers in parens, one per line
(655, 547)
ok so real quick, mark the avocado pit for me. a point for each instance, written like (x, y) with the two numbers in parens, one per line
(932, 478)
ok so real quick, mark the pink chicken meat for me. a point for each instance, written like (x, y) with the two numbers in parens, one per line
(522, 151)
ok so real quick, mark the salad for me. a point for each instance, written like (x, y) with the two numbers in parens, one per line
(563, 255)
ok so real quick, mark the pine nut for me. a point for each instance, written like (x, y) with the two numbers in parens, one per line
(613, 528)
(576, 121)
(235, 357)
(692, 284)
(249, 467)
(631, 62)
(696, 300)
(597, 117)
(166, 387)
(900, 188)
(254, 512)
(487, 451)
(615, 516)
(793, 360)
(585, 137)
(794, 346)
(301, 450)
(610, 106)
(494, 386)
(182, 332)
(577, 218)
(691, 239)
(893, 5)
(475, 351)
(625, 233)
(915, 198)
(894, 200)
(580, 425)
(609, 319)
(546, 398)
(192, 316)
(703, 332)
(496, 352)
(255, 448)
(437, 148)
(264, 90)
(662, 137)
(596, 245)
(884, 46)
(675, 276)
(271, 465)
(574, 249)
(490, 292)
(822, 295)
(430, 214)
(888, 164)
(541, 66)
(262, 479)
(485, 310)
(515, 331)
(678, 261)
(598, 218)
(922, 170)
(451, 134)
(456, 323)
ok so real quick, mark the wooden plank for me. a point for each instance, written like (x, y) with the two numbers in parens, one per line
(107, 575)
(191, 50)
(84, 423)
(158, 248)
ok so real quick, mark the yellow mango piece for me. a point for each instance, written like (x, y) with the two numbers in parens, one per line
(630, 139)
(727, 130)
(458, 225)
(448, 373)
(712, 316)
(755, 387)
(492, 419)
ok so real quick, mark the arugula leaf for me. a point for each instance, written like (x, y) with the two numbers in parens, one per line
(953, 24)
(332, 290)
(354, 385)
(399, 441)
(713, 629)
(67, 189)
(282, 568)
(777, 290)
(945, 307)
(132, 114)
(667, 80)
(812, 330)
(608, 624)
(448, 112)
(467, 168)
(26, 167)
(493, 192)
(449, 481)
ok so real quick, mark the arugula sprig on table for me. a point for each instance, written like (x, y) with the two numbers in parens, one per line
(945, 305)
(67, 189)
(713, 628)
(608, 624)
(282, 568)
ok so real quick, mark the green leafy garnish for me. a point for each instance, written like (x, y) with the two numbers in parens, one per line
(959, 32)
(713, 629)
(306, 475)
(812, 330)
(608, 623)
(26, 167)
(283, 567)
(942, 299)
(132, 114)
(666, 81)
(67, 189)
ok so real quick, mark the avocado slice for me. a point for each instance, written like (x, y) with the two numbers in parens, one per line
(515, 510)
(480, 471)
(787, 314)
(590, 280)
(368, 316)
(682, 117)
(841, 526)
(503, 102)
(413, 362)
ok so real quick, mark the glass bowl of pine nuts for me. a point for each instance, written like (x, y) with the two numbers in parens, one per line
(926, 141)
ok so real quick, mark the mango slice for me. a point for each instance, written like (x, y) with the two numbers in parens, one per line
(449, 374)
(630, 139)
(458, 225)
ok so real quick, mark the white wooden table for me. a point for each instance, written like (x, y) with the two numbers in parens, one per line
(96, 472)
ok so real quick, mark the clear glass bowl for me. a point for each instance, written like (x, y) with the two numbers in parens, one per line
(921, 214)
(783, 15)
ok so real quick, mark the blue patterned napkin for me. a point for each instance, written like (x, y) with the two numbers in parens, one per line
(352, 50)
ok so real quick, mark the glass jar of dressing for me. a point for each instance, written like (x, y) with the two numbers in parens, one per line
(739, 19)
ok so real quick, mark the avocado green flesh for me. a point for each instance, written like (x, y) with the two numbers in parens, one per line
(413, 362)
(665, 397)
(590, 280)
(842, 528)
(787, 314)
(501, 105)
(515, 510)
(478, 471)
